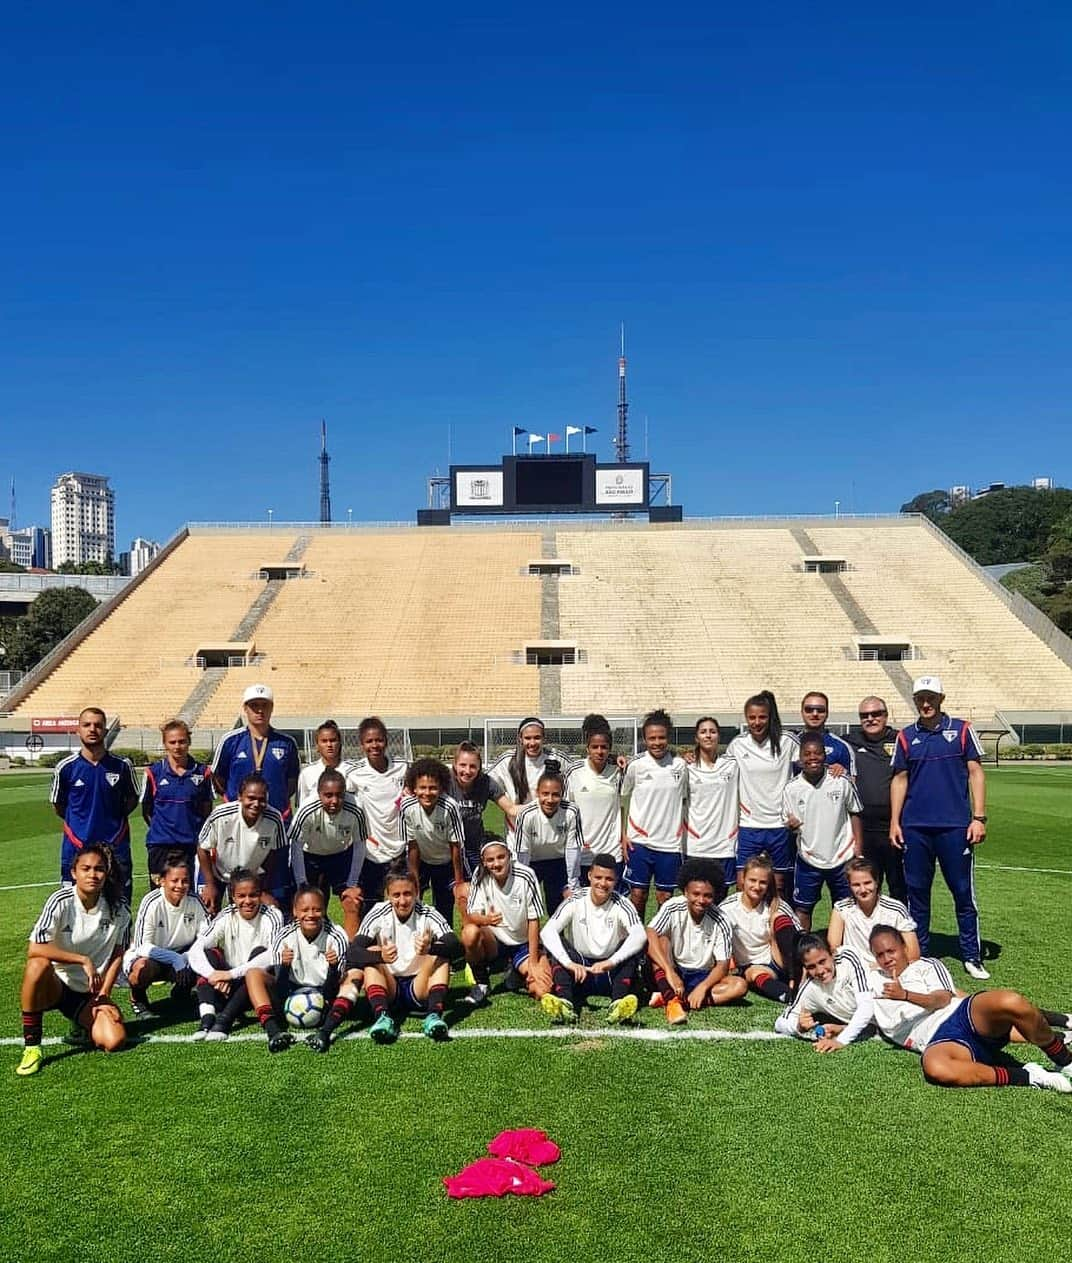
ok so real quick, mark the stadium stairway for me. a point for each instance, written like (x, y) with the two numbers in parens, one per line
(550, 677)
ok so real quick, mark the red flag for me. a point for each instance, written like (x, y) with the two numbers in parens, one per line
(554, 438)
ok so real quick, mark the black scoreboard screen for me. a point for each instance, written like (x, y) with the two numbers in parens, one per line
(541, 482)
(571, 483)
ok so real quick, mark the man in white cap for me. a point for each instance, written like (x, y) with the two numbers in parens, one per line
(258, 747)
(938, 812)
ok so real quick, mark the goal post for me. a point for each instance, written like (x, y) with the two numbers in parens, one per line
(561, 732)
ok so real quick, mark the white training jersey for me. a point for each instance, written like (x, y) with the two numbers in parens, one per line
(904, 1023)
(163, 924)
(518, 900)
(657, 790)
(762, 776)
(597, 796)
(554, 837)
(309, 778)
(236, 939)
(825, 813)
(837, 998)
(435, 832)
(310, 966)
(383, 927)
(714, 810)
(693, 944)
(751, 928)
(379, 795)
(534, 769)
(596, 931)
(315, 831)
(96, 932)
(234, 844)
(858, 925)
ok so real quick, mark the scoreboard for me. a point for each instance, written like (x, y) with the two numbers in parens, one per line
(572, 483)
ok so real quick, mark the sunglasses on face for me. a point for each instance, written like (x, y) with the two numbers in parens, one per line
(814, 710)
(872, 714)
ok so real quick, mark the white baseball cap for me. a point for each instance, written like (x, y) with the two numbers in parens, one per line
(258, 693)
(928, 684)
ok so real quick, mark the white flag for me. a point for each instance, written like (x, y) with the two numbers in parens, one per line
(573, 429)
(534, 438)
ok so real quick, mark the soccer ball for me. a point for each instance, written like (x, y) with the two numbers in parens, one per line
(305, 1008)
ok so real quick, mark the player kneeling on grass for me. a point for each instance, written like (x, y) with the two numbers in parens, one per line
(404, 949)
(689, 944)
(594, 940)
(834, 1005)
(764, 930)
(73, 959)
(961, 1037)
(227, 949)
(853, 919)
(327, 845)
(169, 920)
(501, 913)
(308, 953)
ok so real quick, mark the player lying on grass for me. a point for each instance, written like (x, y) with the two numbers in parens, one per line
(689, 945)
(853, 919)
(764, 930)
(501, 910)
(594, 940)
(547, 838)
(169, 920)
(73, 959)
(327, 845)
(961, 1037)
(833, 1004)
(245, 834)
(404, 949)
(309, 952)
(433, 832)
(225, 951)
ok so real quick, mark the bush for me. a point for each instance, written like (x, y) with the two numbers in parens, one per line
(53, 757)
(18, 761)
(1032, 751)
(138, 757)
(202, 756)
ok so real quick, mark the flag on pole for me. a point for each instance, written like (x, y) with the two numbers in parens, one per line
(553, 438)
(588, 429)
(572, 429)
(513, 441)
(534, 438)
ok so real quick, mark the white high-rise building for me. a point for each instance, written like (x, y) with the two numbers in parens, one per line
(83, 519)
(142, 551)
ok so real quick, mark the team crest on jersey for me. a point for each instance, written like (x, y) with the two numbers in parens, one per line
(197, 778)
(889, 747)
(277, 753)
(950, 737)
(112, 778)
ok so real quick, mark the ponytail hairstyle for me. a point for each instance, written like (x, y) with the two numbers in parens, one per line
(516, 766)
(809, 943)
(765, 864)
(112, 890)
(765, 698)
(595, 725)
(480, 872)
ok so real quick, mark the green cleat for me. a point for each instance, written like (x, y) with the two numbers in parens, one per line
(31, 1060)
(435, 1028)
(558, 1010)
(622, 1010)
(469, 976)
(383, 1030)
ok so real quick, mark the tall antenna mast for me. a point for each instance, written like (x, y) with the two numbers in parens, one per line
(11, 519)
(325, 484)
(621, 442)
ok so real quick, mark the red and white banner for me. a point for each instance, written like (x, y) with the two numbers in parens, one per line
(55, 723)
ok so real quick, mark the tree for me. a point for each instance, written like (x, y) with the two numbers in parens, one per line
(932, 504)
(54, 614)
(89, 567)
(1010, 525)
(10, 567)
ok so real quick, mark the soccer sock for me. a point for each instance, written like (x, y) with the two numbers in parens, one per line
(621, 983)
(481, 972)
(665, 989)
(339, 1012)
(139, 995)
(377, 998)
(236, 1005)
(206, 996)
(766, 984)
(1059, 1021)
(1058, 1053)
(1011, 1077)
(267, 1019)
(206, 1011)
(562, 984)
(31, 1028)
(786, 937)
(437, 999)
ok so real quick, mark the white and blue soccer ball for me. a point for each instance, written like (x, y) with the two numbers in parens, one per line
(305, 1008)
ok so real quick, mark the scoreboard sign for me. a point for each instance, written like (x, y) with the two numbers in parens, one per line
(571, 483)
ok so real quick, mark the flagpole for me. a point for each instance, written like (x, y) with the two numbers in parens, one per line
(513, 440)
(567, 440)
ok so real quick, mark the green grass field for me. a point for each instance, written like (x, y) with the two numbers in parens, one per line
(672, 1147)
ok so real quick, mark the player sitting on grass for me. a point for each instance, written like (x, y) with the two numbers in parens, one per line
(169, 920)
(309, 952)
(404, 949)
(501, 912)
(834, 1005)
(853, 919)
(226, 950)
(961, 1037)
(594, 940)
(689, 945)
(327, 845)
(433, 832)
(764, 931)
(74, 956)
(547, 838)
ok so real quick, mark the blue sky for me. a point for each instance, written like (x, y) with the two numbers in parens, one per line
(839, 238)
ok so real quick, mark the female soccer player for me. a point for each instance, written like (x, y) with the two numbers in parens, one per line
(74, 956)
(594, 788)
(519, 770)
(405, 949)
(689, 945)
(961, 1037)
(327, 845)
(713, 813)
(378, 781)
(764, 931)
(169, 920)
(176, 799)
(594, 941)
(329, 750)
(655, 789)
(433, 833)
(501, 923)
(548, 837)
(245, 834)
(834, 1005)
(853, 919)
(764, 761)
(472, 789)
(309, 952)
(225, 950)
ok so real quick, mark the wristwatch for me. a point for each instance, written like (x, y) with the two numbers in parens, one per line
(981, 819)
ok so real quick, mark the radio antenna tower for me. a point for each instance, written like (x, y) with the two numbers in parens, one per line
(621, 442)
(325, 484)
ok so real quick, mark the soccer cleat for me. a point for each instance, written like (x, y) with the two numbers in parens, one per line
(140, 1006)
(32, 1056)
(512, 980)
(624, 1009)
(77, 1036)
(974, 969)
(657, 1001)
(477, 996)
(200, 1034)
(217, 1035)
(318, 1041)
(435, 1028)
(1049, 1080)
(383, 1030)
(280, 1042)
(675, 1013)
(557, 1009)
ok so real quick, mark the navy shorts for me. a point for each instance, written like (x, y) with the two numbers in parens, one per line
(405, 997)
(334, 870)
(776, 842)
(808, 883)
(958, 1028)
(692, 977)
(646, 865)
(510, 955)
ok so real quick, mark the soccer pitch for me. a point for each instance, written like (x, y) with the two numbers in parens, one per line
(672, 1147)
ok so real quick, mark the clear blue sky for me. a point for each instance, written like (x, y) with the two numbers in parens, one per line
(839, 235)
